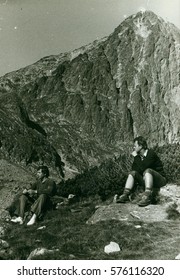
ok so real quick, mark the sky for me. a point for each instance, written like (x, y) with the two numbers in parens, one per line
(32, 29)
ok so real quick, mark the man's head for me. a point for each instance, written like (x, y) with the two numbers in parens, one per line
(42, 172)
(140, 144)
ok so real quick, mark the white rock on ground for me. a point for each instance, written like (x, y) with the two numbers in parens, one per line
(177, 257)
(112, 247)
(40, 228)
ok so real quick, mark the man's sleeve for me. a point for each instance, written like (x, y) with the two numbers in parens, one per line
(32, 186)
(49, 188)
(136, 166)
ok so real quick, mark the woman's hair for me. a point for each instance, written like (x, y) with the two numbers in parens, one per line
(44, 169)
(141, 141)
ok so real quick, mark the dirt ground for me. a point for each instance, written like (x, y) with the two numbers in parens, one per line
(169, 200)
(164, 218)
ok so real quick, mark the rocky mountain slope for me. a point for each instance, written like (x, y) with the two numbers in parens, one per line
(79, 108)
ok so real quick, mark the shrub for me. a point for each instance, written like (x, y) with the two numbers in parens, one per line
(105, 180)
(109, 178)
(170, 156)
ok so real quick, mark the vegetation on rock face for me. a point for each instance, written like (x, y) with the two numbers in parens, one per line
(109, 178)
(170, 156)
(104, 181)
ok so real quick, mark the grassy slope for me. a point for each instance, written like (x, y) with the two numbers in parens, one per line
(67, 230)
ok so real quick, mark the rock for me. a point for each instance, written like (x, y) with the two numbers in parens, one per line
(40, 228)
(123, 212)
(138, 226)
(72, 198)
(4, 244)
(172, 210)
(71, 256)
(3, 252)
(168, 208)
(171, 206)
(134, 215)
(39, 252)
(177, 257)
(112, 247)
(2, 230)
(5, 215)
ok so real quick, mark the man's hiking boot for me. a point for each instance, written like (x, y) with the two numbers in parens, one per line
(145, 200)
(155, 199)
(123, 198)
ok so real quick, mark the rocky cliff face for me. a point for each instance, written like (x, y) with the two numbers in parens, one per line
(84, 106)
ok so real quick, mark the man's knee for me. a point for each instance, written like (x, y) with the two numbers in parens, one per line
(133, 173)
(42, 197)
(148, 171)
(23, 197)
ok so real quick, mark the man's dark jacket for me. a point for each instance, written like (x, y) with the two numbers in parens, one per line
(151, 161)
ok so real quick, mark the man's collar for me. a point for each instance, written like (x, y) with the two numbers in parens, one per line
(44, 180)
(145, 153)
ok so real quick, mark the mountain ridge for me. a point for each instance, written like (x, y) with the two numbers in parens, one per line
(88, 104)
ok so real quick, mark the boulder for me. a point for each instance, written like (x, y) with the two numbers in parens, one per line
(40, 252)
(132, 212)
(112, 247)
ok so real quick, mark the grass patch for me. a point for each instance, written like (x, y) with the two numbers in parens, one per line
(66, 228)
(67, 231)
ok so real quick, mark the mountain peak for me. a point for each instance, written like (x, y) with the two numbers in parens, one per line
(145, 16)
(144, 23)
(148, 13)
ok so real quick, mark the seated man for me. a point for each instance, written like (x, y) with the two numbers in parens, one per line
(147, 171)
(38, 196)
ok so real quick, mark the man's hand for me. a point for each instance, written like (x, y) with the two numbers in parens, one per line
(30, 191)
(134, 153)
(25, 191)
